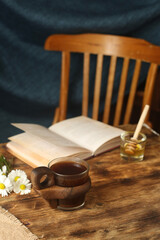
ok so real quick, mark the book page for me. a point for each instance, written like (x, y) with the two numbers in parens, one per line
(44, 134)
(32, 159)
(44, 148)
(86, 132)
(35, 160)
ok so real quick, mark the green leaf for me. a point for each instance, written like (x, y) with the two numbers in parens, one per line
(8, 163)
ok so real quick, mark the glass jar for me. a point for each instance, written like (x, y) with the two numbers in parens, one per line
(138, 153)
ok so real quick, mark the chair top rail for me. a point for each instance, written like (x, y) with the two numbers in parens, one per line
(132, 48)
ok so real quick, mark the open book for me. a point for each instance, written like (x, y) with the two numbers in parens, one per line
(80, 136)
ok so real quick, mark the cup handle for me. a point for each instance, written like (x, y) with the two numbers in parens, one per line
(42, 172)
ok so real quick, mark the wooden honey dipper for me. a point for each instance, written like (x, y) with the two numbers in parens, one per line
(131, 145)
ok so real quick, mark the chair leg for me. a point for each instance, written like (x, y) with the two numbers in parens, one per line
(56, 116)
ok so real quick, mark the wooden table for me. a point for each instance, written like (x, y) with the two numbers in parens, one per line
(123, 203)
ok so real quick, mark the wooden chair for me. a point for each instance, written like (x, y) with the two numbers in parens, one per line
(105, 45)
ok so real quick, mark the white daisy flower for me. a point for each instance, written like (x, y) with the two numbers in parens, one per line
(15, 175)
(5, 185)
(3, 171)
(22, 186)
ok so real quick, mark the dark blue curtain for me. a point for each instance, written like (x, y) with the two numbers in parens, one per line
(30, 76)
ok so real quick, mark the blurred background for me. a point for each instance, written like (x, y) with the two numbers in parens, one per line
(30, 76)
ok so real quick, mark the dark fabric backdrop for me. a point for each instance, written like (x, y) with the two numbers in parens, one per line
(30, 76)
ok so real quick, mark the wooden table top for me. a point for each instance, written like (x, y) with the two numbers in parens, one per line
(123, 202)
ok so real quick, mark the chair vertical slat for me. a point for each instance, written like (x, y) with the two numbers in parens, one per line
(56, 116)
(121, 91)
(85, 84)
(148, 91)
(109, 89)
(97, 86)
(65, 70)
(132, 92)
(149, 84)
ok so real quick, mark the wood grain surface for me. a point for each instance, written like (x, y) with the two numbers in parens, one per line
(123, 202)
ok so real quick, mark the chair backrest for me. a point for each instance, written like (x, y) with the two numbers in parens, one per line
(115, 47)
